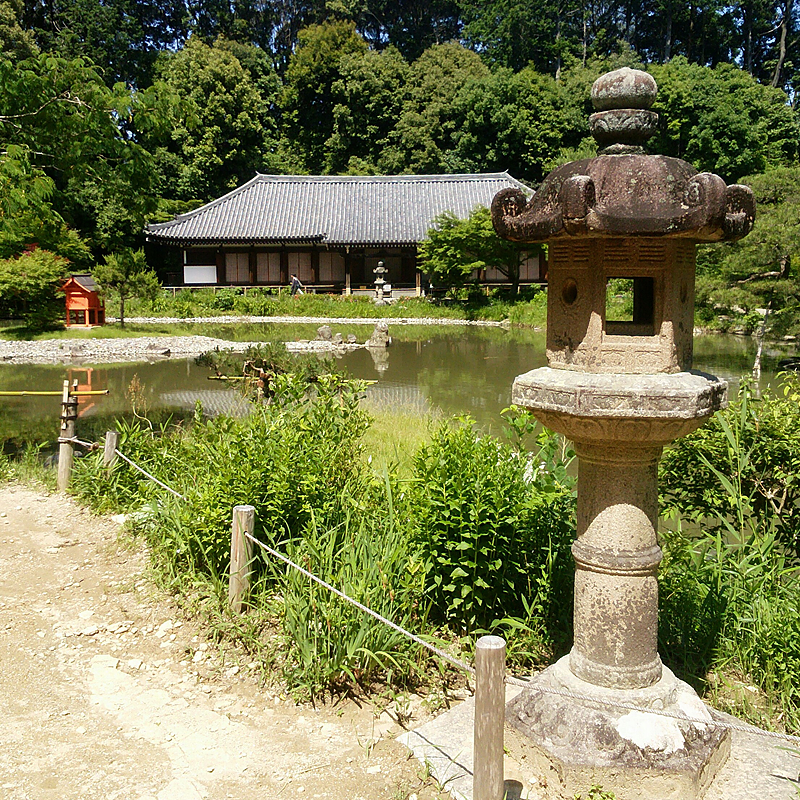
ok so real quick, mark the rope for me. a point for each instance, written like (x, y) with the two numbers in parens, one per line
(510, 679)
(147, 474)
(462, 665)
(414, 638)
(79, 442)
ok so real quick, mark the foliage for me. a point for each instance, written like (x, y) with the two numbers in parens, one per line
(722, 120)
(493, 528)
(224, 129)
(423, 134)
(15, 41)
(730, 594)
(30, 287)
(308, 99)
(526, 308)
(369, 557)
(764, 465)
(127, 275)
(298, 462)
(77, 132)
(754, 281)
(456, 248)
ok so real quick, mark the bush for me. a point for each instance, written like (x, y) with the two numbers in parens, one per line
(30, 288)
(766, 436)
(730, 593)
(494, 530)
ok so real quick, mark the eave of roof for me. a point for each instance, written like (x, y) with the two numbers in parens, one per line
(334, 209)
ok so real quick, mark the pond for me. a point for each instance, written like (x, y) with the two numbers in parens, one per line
(452, 370)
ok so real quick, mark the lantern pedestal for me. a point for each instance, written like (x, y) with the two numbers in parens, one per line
(571, 745)
(619, 424)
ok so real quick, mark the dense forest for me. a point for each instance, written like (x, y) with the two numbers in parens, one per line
(117, 113)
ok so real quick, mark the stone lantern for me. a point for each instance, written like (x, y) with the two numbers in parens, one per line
(620, 389)
(379, 271)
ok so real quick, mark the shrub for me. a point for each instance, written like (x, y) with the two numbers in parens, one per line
(493, 528)
(30, 288)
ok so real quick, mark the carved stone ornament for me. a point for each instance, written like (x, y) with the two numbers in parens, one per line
(623, 192)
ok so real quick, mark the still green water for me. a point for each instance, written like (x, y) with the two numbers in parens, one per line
(452, 370)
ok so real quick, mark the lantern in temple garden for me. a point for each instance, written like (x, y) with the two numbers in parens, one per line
(619, 385)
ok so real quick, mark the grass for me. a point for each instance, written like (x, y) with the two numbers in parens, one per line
(528, 308)
(337, 495)
(394, 437)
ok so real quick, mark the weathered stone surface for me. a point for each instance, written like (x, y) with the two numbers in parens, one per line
(380, 336)
(633, 195)
(626, 193)
(624, 88)
(623, 126)
(324, 333)
(575, 743)
(617, 384)
(594, 406)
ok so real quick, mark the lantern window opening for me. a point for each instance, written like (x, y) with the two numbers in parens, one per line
(630, 306)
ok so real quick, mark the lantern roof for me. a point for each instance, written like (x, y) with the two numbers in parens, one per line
(622, 191)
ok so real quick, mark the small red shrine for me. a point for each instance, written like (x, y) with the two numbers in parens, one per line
(84, 306)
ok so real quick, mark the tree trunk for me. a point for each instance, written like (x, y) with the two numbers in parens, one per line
(784, 26)
(668, 35)
(121, 310)
(747, 31)
(760, 330)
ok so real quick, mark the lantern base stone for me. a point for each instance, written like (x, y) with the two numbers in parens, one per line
(573, 743)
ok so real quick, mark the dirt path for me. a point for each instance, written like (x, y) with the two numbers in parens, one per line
(106, 692)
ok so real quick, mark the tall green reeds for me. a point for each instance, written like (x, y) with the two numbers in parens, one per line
(730, 593)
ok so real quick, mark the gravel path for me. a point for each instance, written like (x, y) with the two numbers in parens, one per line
(102, 351)
(108, 692)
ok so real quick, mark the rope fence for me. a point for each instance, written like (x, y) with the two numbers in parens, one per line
(463, 665)
(490, 653)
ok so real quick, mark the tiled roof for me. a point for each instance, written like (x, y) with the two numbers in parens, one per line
(384, 209)
(85, 281)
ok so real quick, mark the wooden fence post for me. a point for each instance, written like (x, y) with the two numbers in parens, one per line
(490, 714)
(244, 518)
(69, 413)
(110, 451)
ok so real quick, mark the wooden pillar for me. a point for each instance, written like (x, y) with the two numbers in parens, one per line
(284, 266)
(490, 714)
(244, 518)
(110, 451)
(314, 265)
(220, 266)
(251, 279)
(69, 413)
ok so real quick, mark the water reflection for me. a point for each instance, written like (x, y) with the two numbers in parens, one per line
(454, 370)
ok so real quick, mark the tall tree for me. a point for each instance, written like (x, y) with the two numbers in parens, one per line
(456, 248)
(722, 120)
(226, 130)
(369, 97)
(121, 37)
(424, 131)
(759, 275)
(308, 99)
(78, 133)
(15, 42)
(127, 275)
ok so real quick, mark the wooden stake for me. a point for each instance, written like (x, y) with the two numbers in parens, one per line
(244, 518)
(490, 714)
(110, 451)
(69, 413)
